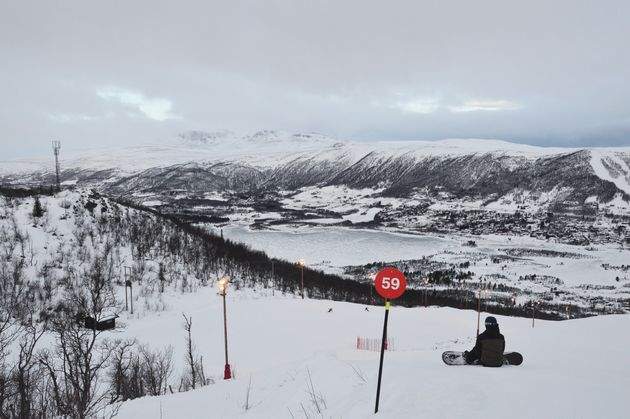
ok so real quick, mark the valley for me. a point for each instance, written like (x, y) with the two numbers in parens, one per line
(519, 225)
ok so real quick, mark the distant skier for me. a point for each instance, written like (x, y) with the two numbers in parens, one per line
(488, 350)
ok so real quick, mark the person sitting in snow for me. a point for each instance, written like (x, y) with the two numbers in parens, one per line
(488, 350)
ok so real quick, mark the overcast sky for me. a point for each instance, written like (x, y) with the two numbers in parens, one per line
(109, 73)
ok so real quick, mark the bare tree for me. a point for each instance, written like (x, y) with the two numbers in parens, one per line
(156, 369)
(75, 368)
(26, 384)
(124, 372)
(190, 356)
(9, 330)
(139, 374)
(195, 374)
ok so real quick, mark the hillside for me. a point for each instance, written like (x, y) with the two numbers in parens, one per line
(72, 261)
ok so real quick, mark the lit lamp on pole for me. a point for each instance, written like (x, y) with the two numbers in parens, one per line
(301, 263)
(534, 304)
(223, 284)
(425, 283)
(486, 292)
(479, 306)
(478, 310)
(372, 278)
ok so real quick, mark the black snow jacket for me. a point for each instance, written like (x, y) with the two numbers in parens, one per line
(488, 349)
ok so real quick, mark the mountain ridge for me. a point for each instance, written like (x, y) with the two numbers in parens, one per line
(271, 160)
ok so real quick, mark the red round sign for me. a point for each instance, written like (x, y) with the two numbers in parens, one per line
(390, 283)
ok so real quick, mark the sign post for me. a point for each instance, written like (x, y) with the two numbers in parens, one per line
(390, 283)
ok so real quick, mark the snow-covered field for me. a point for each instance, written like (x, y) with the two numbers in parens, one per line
(572, 369)
(579, 269)
(335, 247)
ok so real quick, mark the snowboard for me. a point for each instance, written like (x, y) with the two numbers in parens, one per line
(457, 358)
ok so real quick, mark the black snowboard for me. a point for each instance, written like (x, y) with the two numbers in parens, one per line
(457, 358)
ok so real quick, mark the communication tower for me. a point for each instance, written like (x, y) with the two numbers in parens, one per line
(56, 146)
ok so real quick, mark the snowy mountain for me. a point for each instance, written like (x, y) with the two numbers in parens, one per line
(203, 138)
(269, 160)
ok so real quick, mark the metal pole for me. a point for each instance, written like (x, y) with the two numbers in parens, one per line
(380, 365)
(478, 310)
(273, 280)
(131, 296)
(227, 373)
(302, 269)
(533, 313)
(56, 147)
(372, 278)
(126, 282)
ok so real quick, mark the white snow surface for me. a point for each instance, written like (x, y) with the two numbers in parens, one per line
(580, 273)
(338, 246)
(268, 149)
(617, 172)
(572, 369)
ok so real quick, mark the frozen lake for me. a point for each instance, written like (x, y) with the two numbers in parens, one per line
(337, 246)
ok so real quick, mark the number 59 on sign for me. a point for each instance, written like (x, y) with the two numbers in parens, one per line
(390, 283)
(393, 283)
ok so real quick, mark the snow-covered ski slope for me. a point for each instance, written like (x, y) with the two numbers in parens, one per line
(572, 369)
(612, 166)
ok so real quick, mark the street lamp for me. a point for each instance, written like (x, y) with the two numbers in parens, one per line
(479, 306)
(372, 278)
(128, 284)
(273, 279)
(534, 303)
(478, 310)
(301, 263)
(223, 283)
(481, 290)
(426, 290)
(486, 292)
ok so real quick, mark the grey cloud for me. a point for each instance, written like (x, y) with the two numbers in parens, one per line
(552, 73)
